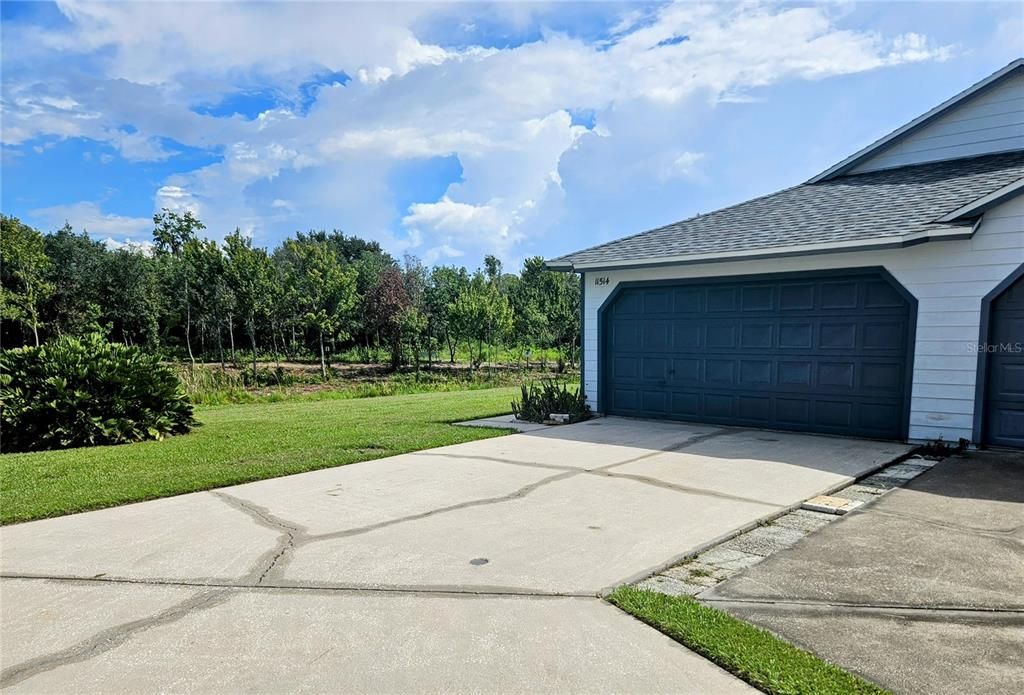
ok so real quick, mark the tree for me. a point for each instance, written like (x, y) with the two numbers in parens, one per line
(387, 302)
(130, 289)
(175, 237)
(481, 315)
(24, 270)
(76, 271)
(249, 274)
(445, 285)
(369, 268)
(326, 291)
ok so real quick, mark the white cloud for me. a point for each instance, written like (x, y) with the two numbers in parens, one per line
(504, 113)
(87, 216)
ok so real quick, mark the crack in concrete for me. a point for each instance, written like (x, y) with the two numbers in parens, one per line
(290, 534)
(647, 480)
(110, 638)
(294, 536)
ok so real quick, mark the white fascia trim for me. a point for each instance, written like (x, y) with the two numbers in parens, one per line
(976, 207)
(918, 122)
(780, 251)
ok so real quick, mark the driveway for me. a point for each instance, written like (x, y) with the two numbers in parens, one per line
(475, 567)
(922, 591)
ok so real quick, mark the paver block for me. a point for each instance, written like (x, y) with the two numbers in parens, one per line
(831, 505)
(903, 471)
(764, 540)
(883, 482)
(859, 495)
(727, 559)
(804, 521)
(670, 586)
(695, 573)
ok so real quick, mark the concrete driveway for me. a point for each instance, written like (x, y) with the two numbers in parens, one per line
(475, 567)
(922, 591)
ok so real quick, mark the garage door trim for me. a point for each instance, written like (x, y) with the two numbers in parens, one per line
(838, 273)
(984, 330)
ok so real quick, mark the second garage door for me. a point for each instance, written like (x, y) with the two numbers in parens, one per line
(806, 352)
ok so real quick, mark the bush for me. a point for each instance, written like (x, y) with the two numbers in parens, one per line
(84, 392)
(539, 401)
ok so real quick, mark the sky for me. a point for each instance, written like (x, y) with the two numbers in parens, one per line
(453, 130)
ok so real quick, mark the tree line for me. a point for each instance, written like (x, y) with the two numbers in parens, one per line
(314, 294)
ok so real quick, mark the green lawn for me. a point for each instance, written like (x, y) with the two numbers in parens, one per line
(241, 443)
(755, 655)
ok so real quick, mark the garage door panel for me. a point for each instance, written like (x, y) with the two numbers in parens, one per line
(757, 335)
(838, 336)
(796, 297)
(757, 298)
(885, 335)
(721, 334)
(729, 353)
(686, 334)
(796, 336)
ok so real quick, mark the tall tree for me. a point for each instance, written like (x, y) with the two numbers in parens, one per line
(445, 285)
(175, 236)
(325, 290)
(250, 275)
(76, 270)
(24, 270)
(130, 288)
(387, 302)
(482, 316)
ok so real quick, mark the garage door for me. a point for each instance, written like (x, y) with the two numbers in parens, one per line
(1004, 407)
(801, 352)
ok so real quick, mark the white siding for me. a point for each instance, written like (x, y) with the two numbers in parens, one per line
(949, 279)
(990, 122)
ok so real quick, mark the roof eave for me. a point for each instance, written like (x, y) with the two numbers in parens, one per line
(953, 233)
(916, 124)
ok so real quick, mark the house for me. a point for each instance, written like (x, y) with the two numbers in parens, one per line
(883, 298)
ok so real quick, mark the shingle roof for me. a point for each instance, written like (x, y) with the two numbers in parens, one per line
(877, 207)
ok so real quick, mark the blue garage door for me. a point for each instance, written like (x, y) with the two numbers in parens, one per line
(803, 352)
(1004, 407)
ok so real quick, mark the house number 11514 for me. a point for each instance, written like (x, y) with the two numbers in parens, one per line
(602, 280)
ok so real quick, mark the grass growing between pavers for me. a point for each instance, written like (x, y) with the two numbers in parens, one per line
(751, 653)
(239, 444)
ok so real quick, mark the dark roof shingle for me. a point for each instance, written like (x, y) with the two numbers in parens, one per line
(878, 206)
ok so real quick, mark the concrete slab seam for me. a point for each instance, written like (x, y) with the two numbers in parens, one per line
(482, 591)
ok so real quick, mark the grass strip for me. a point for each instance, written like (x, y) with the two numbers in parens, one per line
(238, 444)
(748, 652)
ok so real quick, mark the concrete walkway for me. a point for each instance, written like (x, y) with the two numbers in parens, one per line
(475, 567)
(922, 591)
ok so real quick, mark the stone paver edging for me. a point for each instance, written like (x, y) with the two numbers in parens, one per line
(700, 572)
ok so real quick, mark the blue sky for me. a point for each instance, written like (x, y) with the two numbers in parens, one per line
(453, 130)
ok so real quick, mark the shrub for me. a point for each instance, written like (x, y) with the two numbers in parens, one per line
(83, 392)
(550, 396)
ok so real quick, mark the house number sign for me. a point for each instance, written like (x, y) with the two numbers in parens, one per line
(602, 280)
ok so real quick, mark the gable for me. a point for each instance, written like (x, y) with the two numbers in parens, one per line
(988, 122)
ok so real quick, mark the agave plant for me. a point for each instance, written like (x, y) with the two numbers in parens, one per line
(538, 401)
